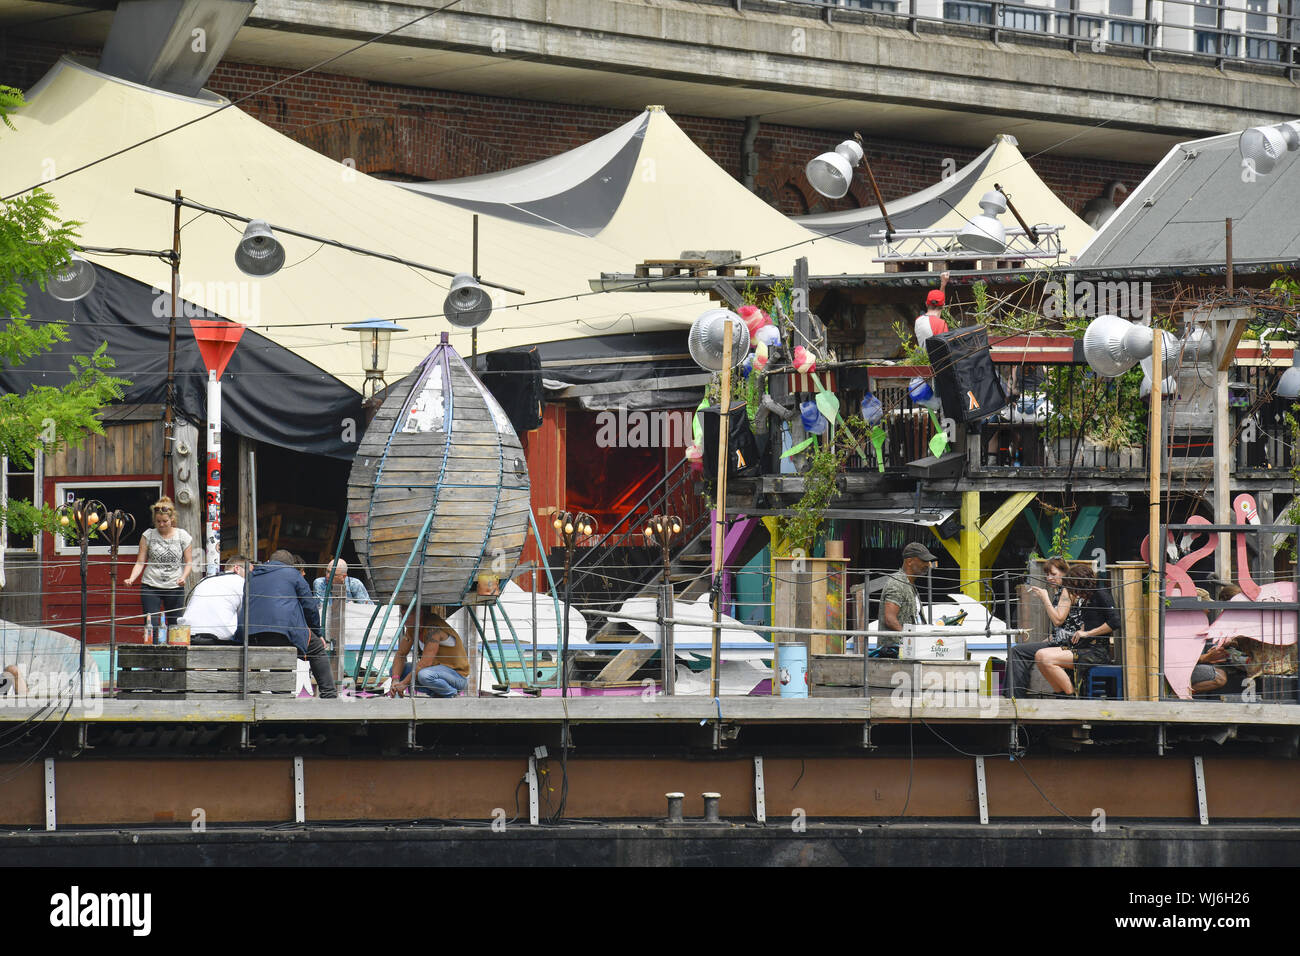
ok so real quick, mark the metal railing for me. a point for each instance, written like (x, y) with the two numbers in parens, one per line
(1265, 33)
(607, 558)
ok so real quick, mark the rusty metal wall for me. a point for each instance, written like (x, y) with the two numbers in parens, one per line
(260, 790)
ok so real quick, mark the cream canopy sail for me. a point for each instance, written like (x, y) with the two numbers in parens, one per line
(229, 160)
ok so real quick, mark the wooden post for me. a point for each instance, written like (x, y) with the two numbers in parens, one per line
(247, 499)
(1137, 661)
(1155, 444)
(970, 545)
(720, 515)
(335, 630)
(1223, 461)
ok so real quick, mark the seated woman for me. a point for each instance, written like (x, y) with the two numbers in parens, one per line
(1085, 637)
(1059, 605)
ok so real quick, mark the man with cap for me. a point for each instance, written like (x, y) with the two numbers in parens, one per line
(899, 604)
(932, 322)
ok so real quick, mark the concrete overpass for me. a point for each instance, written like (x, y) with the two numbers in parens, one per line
(790, 63)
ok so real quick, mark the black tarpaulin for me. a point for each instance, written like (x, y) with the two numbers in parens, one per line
(268, 393)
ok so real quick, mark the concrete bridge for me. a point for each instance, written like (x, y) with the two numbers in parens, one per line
(899, 71)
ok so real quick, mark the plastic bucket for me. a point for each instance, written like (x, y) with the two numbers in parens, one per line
(792, 669)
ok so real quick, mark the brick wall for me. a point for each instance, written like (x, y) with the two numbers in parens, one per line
(414, 133)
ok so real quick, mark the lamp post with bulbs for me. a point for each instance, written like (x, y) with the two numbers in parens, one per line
(82, 519)
(571, 528)
(117, 525)
(661, 530)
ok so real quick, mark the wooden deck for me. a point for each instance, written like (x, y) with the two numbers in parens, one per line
(663, 710)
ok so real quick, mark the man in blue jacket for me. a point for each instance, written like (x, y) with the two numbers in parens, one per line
(282, 612)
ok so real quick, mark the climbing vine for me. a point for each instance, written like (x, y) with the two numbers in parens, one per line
(825, 464)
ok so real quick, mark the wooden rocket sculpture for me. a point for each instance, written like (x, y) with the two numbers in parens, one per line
(439, 462)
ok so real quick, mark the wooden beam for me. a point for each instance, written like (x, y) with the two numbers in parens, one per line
(969, 562)
(1006, 514)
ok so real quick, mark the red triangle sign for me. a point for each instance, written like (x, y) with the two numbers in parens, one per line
(217, 341)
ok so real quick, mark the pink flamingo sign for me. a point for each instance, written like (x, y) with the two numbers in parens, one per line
(1184, 633)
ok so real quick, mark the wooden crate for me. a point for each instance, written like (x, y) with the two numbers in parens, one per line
(177, 672)
(815, 596)
(840, 675)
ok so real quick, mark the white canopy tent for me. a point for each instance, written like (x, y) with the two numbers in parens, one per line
(231, 161)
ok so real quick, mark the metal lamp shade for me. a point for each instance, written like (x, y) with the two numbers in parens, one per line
(1288, 386)
(1290, 135)
(71, 281)
(983, 233)
(832, 173)
(1112, 346)
(1171, 355)
(707, 336)
(467, 305)
(259, 253)
(1263, 146)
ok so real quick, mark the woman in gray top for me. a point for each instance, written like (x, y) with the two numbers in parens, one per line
(165, 560)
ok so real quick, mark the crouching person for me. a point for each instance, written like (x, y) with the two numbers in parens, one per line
(442, 668)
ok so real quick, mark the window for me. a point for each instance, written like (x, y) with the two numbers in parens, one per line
(1121, 8)
(885, 6)
(1024, 20)
(1128, 31)
(1216, 44)
(1256, 17)
(23, 485)
(963, 12)
(134, 497)
(1262, 48)
(1207, 14)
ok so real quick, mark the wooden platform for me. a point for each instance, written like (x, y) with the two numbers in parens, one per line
(664, 268)
(613, 711)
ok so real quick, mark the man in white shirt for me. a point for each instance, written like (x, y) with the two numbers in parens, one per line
(932, 323)
(213, 611)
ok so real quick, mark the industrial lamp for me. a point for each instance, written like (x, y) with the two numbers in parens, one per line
(1263, 146)
(467, 304)
(71, 281)
(1112, 346)
(708, 335)
(984, 233)
(1288, 386)
(376, 335)
(259, 253)
(831, 174)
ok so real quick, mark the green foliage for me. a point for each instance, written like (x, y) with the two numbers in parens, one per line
(1061, 535)
(33, 243)
(1108, 412)
(913, 353)
(1292, 513)
(825, 465)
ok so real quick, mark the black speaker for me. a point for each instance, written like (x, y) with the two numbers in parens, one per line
(964, 376)
(514, 377)
(742, 449)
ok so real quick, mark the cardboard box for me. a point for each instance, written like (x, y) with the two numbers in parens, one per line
(932, 648)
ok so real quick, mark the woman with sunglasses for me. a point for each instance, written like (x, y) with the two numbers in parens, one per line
(165, 559)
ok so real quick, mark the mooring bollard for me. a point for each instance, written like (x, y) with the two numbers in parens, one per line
(711, 807)
(675, 806)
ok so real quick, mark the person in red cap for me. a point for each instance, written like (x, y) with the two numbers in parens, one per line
(932, 323)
